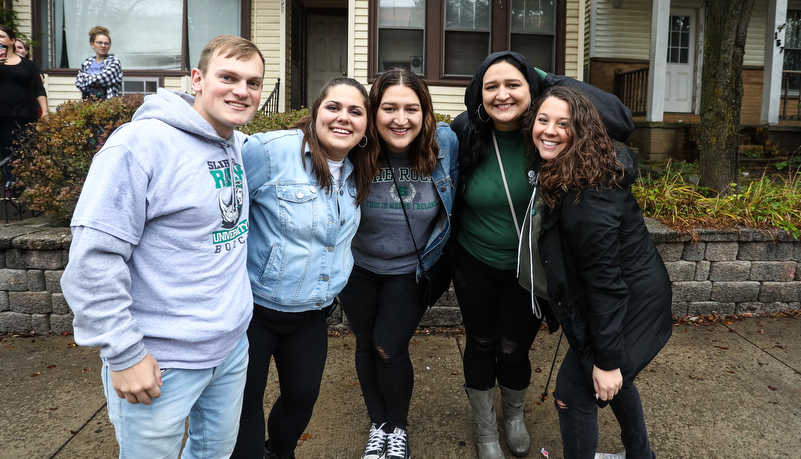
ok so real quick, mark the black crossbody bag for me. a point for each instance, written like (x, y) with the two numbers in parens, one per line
(436, 279)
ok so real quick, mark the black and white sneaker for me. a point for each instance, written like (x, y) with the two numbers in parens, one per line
(376, 444)
(398, 445)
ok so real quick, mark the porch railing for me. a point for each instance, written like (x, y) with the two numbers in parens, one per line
(632, 89)
(791, 104)
(271, 104)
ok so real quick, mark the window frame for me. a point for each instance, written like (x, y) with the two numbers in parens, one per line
(434, 32)
(36, 12)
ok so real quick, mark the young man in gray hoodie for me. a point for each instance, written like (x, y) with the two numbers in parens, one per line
(157, 273)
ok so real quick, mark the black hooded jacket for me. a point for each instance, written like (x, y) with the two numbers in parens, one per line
(607, 283)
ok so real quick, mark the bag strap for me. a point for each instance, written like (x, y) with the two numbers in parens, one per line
(405, 215)
(505, 185)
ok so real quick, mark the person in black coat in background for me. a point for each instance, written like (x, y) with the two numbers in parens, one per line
(607, 283)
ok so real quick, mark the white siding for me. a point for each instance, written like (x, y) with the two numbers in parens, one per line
(60, 89)
(179, 84)
(622, 33)
(266, 34)
(361, 36)
(23, 9)
(574, 43)
(625, 33)
(447, 100)
(755, 40)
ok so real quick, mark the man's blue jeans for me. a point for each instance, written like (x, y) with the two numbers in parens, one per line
(211, 398)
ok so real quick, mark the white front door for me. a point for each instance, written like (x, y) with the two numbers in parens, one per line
(680, 62)
(326, 56)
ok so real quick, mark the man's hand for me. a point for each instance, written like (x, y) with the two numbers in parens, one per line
(140, 383)
(606, 383)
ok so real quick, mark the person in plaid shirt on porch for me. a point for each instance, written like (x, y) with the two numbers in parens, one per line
(100, 76)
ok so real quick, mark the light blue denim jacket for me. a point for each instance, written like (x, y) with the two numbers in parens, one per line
(445, 176)
(299, 255)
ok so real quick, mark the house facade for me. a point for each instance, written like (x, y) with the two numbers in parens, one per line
(307, 42)
(649, 52)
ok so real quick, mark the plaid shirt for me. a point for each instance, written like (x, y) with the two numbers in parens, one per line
(110, 77)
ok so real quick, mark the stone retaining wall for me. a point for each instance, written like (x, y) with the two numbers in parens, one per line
(725, 272)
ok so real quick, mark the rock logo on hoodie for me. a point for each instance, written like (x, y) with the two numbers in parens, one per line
(229, 198)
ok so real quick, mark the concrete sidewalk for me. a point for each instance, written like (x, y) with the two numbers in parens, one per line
(721, 391)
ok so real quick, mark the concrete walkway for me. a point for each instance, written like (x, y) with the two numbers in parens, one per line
(721, 391)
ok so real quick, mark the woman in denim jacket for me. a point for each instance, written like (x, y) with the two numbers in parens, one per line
(383, 300)
(304, 192)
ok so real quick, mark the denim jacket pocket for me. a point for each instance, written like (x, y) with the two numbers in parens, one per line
(297, 208)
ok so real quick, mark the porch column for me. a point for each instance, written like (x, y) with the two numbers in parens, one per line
(660, 25)
(774, 62)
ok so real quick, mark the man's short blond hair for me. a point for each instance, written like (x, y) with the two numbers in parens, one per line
(228, 46)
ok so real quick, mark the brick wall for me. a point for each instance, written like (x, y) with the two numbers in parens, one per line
(730, 271)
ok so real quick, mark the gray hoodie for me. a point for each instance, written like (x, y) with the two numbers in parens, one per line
(158, 256)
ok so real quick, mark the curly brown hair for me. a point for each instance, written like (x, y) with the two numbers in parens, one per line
(589, 161)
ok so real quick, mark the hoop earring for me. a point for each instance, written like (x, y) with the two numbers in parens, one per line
(478, 113)
(366, 140)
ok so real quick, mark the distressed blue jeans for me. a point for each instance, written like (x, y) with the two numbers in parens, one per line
(578, 418)
(211, 398)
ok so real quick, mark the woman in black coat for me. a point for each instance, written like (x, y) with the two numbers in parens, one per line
(607, 283)
(501, 317)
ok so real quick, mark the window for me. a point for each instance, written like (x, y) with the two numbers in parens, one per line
(146, 34)
(134, 85)
(401, 34)
(679, 40)
(446, 40)
(533, 29)
(792, 50)
(467, 36)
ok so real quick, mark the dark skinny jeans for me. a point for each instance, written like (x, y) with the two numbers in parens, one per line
(383, 312)
(499, 322)
(578, 419)
(299, 343)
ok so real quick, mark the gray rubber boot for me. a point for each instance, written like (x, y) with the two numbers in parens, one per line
(513, 404)
(485, 424)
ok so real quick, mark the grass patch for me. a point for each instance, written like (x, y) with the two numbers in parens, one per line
(764, 203)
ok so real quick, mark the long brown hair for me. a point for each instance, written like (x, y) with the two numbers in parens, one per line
(589, 161)
(423, 150)
(362, 175)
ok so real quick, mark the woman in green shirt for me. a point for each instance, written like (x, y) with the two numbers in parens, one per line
(496, 194)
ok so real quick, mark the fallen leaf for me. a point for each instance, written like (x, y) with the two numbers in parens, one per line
(772, 388)
(305, 436)
(36, 374)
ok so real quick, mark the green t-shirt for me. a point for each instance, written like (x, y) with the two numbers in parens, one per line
(486, 229)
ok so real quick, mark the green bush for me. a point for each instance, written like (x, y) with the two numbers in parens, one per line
(264, 122)
(54, 155)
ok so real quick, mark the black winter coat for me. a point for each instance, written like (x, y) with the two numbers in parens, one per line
(607, 284)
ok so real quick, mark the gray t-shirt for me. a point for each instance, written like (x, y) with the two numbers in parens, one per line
(383, 244)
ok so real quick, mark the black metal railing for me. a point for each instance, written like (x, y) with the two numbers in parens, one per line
(632, 89)
(791, 104)
(271, 104)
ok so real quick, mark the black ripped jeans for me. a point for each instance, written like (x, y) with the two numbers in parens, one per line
(383, 312)
(499, 322)
(298, 341)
